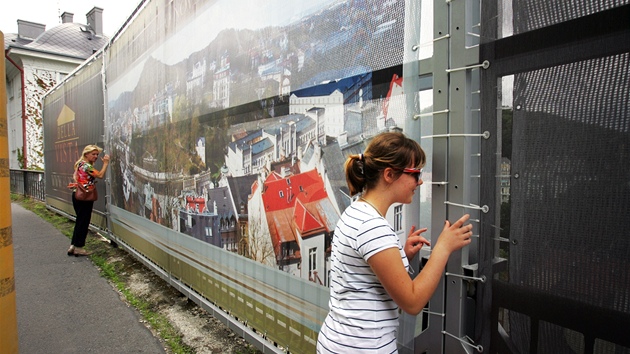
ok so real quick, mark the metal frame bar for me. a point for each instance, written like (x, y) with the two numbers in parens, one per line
(605, 324)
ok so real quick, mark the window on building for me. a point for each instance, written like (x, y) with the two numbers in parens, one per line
(312, 259)
(398, 218)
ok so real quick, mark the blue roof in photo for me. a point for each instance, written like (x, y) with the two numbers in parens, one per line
(261, 146)
(334, 78)
(325, 89)
(243, 143)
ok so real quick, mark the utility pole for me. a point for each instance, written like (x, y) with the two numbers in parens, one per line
(8, 310)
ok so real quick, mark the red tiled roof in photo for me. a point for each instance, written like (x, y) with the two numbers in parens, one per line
(295, 204)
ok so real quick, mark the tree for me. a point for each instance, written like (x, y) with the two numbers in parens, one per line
(180, 108)
(259, 242)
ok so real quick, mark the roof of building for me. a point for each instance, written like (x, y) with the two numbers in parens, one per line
(325, 83)
(305, 221)
(307, 186)
(297, 204)
(245, 142)
(220, 195)
(68, 39)
(327, 88)
(335, 159)
(241, 188)
(262, 146)
(12, 39)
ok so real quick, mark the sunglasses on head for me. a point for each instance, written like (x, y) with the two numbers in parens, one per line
(415, 172)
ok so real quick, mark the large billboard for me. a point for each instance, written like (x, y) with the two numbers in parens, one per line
(228, 126)
(230, 123)
(73, 118)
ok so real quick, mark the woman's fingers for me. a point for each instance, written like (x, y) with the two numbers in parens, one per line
(457, 235)
(461, 220)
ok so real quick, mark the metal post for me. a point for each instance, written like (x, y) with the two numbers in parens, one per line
(463, 136)
(8, 310)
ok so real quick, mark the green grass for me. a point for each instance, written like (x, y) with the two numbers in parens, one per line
(104, 257)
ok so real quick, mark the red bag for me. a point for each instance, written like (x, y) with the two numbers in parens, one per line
(86, 195)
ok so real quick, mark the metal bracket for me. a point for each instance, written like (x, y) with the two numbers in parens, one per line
(485, 135)
(434, 313)
(484, 65)
(485, 209)
(448, 35)
(477, 347)
(416, 116)
(417, 46)
(479, 279)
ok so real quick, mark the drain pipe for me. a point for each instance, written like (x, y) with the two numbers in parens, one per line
(22, 84)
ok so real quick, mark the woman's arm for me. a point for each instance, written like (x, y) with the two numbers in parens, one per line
(412, 295)
(101, 173)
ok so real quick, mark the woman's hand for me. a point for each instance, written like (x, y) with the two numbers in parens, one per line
(412, 295)
(415, 242)
(456, 236)
(101, 173)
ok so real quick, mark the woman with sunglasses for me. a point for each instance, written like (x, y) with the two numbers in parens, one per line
(370, 274)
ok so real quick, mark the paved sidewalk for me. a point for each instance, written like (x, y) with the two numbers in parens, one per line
(63, 304)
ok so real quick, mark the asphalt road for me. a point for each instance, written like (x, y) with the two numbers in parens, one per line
(63, 304)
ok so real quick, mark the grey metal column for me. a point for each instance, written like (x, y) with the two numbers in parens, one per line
(462, 167)
(455, 175)
(431, 339)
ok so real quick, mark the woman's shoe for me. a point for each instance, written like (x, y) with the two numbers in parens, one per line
(71, 250)
(78, 251)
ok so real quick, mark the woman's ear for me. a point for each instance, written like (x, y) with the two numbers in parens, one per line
(389, 175)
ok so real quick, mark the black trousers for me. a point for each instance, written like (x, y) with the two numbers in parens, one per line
(83, 210)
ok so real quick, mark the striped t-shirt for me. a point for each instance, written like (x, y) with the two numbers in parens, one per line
(362, 314)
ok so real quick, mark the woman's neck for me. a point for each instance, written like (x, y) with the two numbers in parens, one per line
(380, 204)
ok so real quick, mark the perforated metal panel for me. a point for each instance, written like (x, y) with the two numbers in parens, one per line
(556, 96)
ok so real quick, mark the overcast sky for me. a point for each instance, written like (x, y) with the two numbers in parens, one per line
(47, 12)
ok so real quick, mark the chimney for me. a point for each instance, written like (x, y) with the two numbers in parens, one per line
(95, 20)
(30, 30)
(67, 17)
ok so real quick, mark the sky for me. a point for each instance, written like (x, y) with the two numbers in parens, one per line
(223, 14)
(48, 12)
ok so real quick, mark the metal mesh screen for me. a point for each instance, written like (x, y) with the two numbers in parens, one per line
(533, 14)
(570, 191)
(562, 70)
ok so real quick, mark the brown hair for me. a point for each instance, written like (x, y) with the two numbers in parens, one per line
(391, 149)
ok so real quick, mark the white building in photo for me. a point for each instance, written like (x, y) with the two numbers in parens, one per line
(334, 97)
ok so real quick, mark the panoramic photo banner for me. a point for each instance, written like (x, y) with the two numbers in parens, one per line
(230, 124)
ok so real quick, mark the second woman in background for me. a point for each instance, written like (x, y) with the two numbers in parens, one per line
(85, 174)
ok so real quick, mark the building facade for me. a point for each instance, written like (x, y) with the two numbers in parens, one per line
(36, 60)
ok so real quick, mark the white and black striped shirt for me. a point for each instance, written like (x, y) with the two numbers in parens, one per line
(361, 311)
